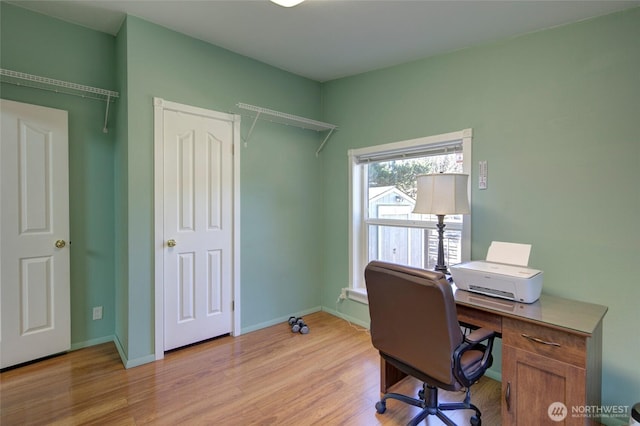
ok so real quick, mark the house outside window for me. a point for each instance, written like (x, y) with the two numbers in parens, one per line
(382, 196)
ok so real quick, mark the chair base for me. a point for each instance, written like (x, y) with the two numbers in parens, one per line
(429, 403)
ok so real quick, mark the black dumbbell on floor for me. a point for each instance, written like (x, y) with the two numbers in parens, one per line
(298, 325)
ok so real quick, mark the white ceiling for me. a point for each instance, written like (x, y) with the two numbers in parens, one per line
(328, 39)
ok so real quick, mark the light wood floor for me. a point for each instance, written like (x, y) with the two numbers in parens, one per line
(268, 377)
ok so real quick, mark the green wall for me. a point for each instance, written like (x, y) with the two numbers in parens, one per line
(555, 115)
(36, 44)
(280, 179)
(111, 174)
(121, 205)
(552, 112)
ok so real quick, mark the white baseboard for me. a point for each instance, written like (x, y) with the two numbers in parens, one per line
(123, 357)
(279, 320)
(130, 363)
(345, 317)
(91, 342)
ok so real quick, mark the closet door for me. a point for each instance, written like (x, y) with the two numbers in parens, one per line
(198, 227)
(34, 233)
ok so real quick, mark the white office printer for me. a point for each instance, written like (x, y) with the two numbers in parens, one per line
(504, 274)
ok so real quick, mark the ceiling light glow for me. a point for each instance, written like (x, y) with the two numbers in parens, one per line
(287, 3)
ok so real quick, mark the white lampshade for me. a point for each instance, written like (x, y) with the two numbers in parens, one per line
(287, 3)
(442, 193)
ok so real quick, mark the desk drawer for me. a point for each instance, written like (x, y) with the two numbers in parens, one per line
(539, 339)
(479, 318)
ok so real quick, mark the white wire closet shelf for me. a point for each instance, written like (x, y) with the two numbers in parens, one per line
(38, 82)
(289, 120)
(59, 86)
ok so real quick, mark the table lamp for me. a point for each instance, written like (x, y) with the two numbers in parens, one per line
(441, 194)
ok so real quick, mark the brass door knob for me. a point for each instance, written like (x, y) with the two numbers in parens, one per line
(171, 243)
(60, 244)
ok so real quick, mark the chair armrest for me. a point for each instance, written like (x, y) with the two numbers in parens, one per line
(479, 335)
(472, 342)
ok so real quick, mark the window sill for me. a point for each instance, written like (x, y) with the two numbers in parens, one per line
(358, 295)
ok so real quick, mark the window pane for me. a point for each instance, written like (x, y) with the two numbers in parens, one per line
(397, 244)
(452, 248)
(412, 246)
(391, 189)
(382, 199)
(391, 185)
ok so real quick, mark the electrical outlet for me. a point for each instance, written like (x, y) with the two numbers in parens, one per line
(343, 293)
(97, 313)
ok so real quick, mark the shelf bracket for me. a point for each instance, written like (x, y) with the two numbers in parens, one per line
(324, 141)
(251, 129)
(106, 115)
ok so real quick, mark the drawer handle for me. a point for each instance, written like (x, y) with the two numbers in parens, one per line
(537, 340)
(507, 396)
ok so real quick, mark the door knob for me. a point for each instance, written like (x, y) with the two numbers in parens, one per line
(60, 244)
(171, 243)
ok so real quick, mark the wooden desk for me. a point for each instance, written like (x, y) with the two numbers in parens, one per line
(551, 352)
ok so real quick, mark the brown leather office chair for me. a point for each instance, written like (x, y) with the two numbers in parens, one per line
(415, 328)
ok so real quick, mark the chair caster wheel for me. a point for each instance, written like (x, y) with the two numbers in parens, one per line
(381, 407)
(475, 421)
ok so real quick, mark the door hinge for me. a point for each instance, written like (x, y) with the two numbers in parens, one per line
(233, 305)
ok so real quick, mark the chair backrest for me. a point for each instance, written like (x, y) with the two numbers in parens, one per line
(413, 317)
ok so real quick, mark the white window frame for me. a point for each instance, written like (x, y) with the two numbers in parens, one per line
(358, 204)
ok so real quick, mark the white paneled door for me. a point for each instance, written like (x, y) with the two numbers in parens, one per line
(198, 227)
(34, 233)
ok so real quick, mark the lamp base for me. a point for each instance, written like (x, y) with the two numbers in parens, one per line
(440, 265)
(443, 269)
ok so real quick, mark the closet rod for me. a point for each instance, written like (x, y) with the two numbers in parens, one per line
(109, 94)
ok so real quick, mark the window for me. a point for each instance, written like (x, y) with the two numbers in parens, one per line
(382, 196)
